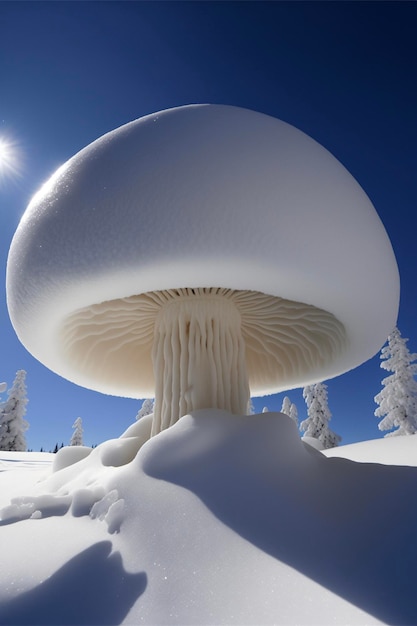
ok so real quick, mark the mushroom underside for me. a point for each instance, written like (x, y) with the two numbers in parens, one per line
(196, 348)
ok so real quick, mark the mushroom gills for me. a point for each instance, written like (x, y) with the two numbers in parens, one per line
(193, 348)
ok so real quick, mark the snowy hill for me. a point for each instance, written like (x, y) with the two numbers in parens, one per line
(388, 451)
(218, 520)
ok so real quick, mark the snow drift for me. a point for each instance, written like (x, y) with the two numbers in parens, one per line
(220, 519)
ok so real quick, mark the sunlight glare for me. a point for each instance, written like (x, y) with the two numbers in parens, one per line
(9, 159)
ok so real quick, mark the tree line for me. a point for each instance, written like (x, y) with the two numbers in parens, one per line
(397, 404)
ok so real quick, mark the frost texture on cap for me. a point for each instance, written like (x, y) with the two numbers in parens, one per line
(200, 196)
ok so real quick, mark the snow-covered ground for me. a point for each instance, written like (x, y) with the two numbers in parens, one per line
(218, 520)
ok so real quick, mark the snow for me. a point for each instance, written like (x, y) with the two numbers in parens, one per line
(220, 519)
(230, 198)
(401, 450)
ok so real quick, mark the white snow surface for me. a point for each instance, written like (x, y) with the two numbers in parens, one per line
(220, 519)
(397, 450)
(229, 198)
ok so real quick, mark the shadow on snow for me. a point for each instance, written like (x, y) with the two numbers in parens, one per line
(349, 526)
(91, 589)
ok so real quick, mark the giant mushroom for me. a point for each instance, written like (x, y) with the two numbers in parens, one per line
(199, 255)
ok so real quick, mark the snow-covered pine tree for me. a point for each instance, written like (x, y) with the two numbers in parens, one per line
(289, 409)
(3, 387)
(146, 408)
(12, 412)
(77, 435)
(317, 423)
(398, 398)
(294, 413)
(286, 406)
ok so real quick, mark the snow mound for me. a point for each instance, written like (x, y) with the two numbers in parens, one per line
(68, 456)
(78, 483)
(313, 442)
(398, 450)
(220, 519)
(110, 509)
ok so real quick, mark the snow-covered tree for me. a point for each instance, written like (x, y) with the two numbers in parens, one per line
(286, 405)
(289, 409)
(77, 435)
(317, 423)
(146, 408)
(12, 412)
(3, 387)
(294, 413)
(398, 398)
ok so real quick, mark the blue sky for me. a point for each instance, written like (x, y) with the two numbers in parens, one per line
(343, 72)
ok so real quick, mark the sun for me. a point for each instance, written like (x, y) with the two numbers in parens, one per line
(9, 159)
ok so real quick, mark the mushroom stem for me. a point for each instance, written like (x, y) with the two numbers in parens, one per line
(198, 358)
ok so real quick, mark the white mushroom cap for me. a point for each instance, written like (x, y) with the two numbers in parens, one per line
(201, 196)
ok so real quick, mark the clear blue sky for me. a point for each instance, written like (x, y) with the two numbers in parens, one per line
(343, 72)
